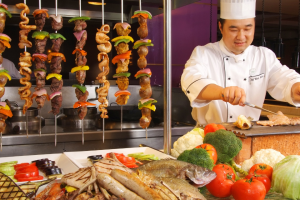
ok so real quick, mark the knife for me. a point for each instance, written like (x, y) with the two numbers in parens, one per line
(254, 106)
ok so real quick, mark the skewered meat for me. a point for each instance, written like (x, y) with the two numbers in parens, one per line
(105, 47)
(55, 65)
(23, 41)
(104, 29)
(40, 100)
(80, 59)
(145, 92)
(40, 20)
(122, 28)
(56, 85)
(82, 111)
(56, 104)
(146, 117)
(40, 82)
(122, 82)
(143, 51)
(122, 48)
(279, 119)
(122, 66)
(142, 62)
(2, 126)
(80, 43)
(80, 76)
(40, 45)
(81, 96)
(56, 44)
(2, 91)
(3, 80)
(25, 20)
(40, 63)
(2, 21)
(56, 22)
(80, 25)
(1, 59)
(122, 99)
(104, 61)
(142, 31)
(3, 117)
(144, 81)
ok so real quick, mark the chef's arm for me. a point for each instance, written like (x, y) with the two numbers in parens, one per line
(234, 95)
(295, 90)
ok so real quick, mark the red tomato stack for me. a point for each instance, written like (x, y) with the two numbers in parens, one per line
(27, 172)
(129, 162)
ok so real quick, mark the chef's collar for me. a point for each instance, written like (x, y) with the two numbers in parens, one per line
(237, 58)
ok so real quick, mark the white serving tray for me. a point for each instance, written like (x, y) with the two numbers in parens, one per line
(61, 160)
(79, 158)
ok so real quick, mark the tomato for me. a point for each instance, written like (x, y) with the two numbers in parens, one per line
(262, 169)
(210, 150)
(21, 165)
(262, 178)
(27, 174)
(221, 185)
(248, 189)
(35, 178)
(213, 128)
(127, 161)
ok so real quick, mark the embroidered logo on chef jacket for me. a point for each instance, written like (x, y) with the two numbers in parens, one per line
(256, 77)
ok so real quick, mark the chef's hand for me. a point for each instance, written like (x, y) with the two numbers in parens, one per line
(296, 92)
(234, 95)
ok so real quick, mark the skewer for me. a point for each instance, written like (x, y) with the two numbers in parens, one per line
(82, 132)
(103, 124)
(121, 11)
(102, 12)
(121, 118)
(1, 141)
(55, 10)
(140, 3)
(40, 4)
(27, 123)
(55, 130)
(79, 8)
(40, 124)
(146, 133)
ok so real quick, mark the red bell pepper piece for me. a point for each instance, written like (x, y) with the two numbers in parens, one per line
(21, 165)
(35, 178)
(26, 166)
(29, 169)
(27, 174)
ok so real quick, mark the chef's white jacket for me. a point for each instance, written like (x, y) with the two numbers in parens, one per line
(256, 70)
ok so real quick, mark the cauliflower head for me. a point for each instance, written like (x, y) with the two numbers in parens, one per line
(187, 142)
(266, 156)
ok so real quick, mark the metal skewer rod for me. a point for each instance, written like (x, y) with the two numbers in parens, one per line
(55, 10)
(121, 11)
(103, 124)
(79, 8)
(40, 4)
(140, 3)
(25, 49)
(40, 124)
(102, 12)
(121, 118)
(82, 132)
(1, 141)
(27, 123)
(146, 133)
(55, 130)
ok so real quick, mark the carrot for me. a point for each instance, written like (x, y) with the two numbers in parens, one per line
(56, 54)
(121, 56)
(83, 52)
(140, 14)
(6, 112)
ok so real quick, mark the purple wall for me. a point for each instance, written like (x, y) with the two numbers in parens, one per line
(190, 27)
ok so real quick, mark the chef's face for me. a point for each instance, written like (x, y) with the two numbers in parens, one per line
(237, 34)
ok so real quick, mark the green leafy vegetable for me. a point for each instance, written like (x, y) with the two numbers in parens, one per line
(286, 177)
(5, 11)
(4, 70)
(81, 88)
(79, 18)
(127, 74)
(146, 103)
(56, 36)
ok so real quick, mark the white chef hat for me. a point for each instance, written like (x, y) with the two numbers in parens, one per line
(237, 9)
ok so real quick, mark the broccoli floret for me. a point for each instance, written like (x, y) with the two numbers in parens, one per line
(226, 144)
(198, 157)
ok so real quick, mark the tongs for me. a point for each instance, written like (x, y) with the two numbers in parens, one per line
(254, 106)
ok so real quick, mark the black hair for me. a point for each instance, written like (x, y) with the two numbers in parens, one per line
(222, 21)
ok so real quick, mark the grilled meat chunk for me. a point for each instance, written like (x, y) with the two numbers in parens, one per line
(56, 43)
(80, 95)
(80, 59)
(2, 21)
(56, 22)
(56, 85)
(40, 45)
(80, 76)
(146, 118)
(40, 100)
(56, 104)
(3, 80)
(122, 99)
(80, 44)
(40, 21)
(55, 65)
(23, 41)
(122, 48)
(122, 82)
(122, 66)
(82, 111)
(39, 63)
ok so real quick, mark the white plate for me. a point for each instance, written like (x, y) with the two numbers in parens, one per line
(61, 160)
(79, 158)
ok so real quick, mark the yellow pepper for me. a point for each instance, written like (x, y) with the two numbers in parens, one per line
(122, 37)
(150, 106)
(139, 41)
(4, 38)
(51, 75)
(70, 188)
(5, 74)
(6, 107)
(75, 69)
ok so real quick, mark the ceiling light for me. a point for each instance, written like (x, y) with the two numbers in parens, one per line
(95, 3)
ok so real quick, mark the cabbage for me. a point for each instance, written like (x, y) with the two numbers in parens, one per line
(286, 177)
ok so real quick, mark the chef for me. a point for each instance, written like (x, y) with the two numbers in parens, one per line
(219, 77)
